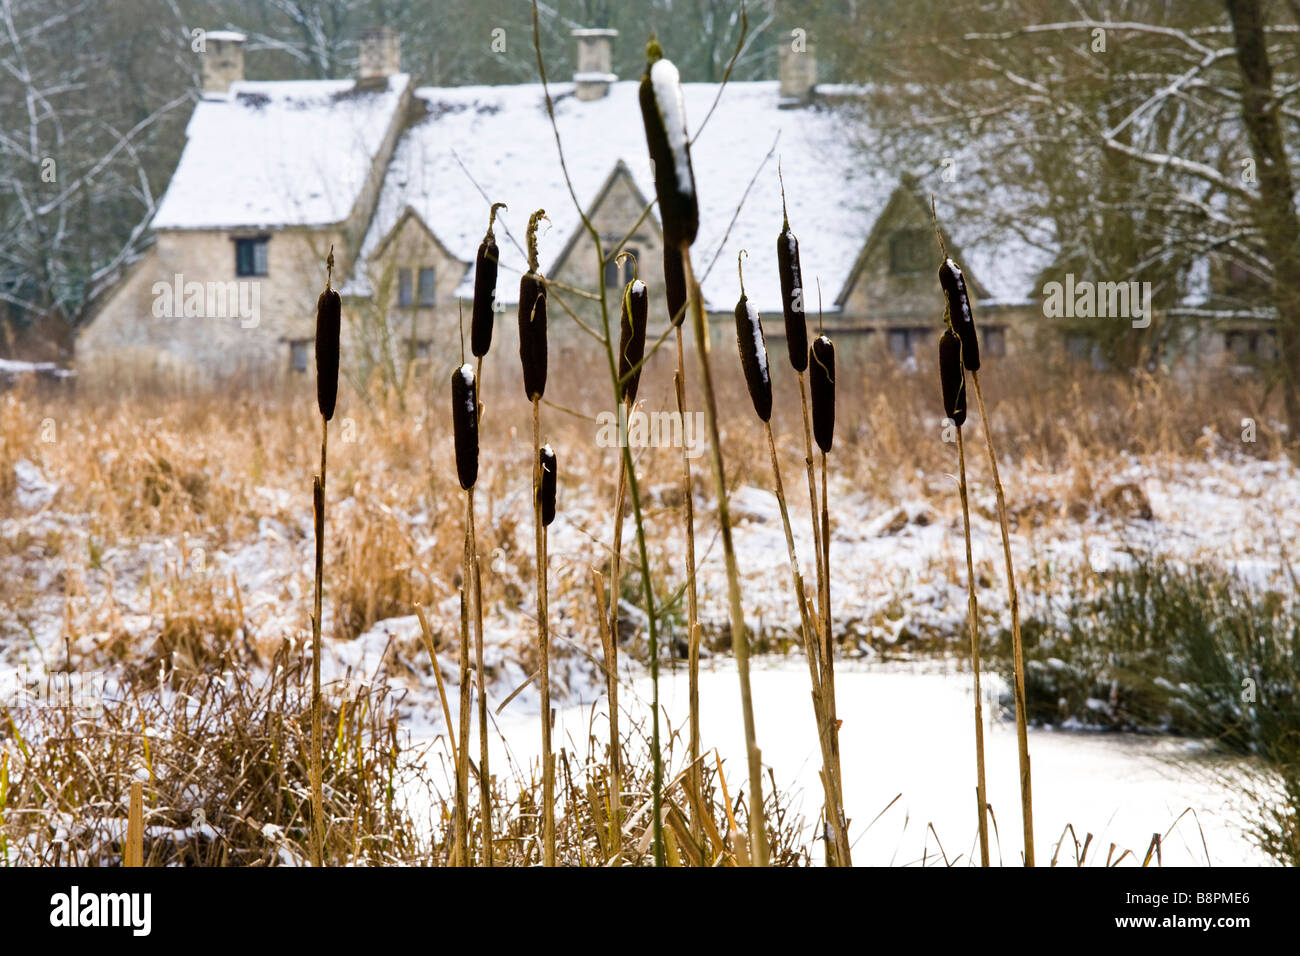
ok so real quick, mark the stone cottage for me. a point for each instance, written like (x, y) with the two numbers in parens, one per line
(399, 179)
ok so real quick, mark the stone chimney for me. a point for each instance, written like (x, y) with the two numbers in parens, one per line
(223, 60)
(798, 69)
(595, 62)
(381, 54)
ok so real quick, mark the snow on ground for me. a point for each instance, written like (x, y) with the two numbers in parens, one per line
(898, 569)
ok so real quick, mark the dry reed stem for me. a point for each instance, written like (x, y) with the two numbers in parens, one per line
(739, 637)
(543, 651)
(830, 773)
(133, 851)
(615, 588)
(692, 598)
(437, 676)
(615, 744)
(462, 754)
(1022, 731)
(484, 775)
(828, 660)
(981, 794)
(812, 500)
(317, 732)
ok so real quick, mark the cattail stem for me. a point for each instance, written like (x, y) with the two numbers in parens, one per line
(543, 651)
(1022, 729)
(317, 732)
(812, 498)
(463, 713)
(615, 745)
(692, 597)
(830, 773)
(739, 636)
(615, 590)
(973, 612)
(484, 777)
(828, 658)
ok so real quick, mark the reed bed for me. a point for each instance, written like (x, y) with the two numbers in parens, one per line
(637, 801)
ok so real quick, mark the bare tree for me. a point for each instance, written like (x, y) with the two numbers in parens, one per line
(1151, 136)
(89, 132)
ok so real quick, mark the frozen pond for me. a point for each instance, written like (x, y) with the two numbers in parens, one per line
(908, 734)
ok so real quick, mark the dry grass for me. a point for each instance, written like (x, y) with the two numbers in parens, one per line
(157, 486)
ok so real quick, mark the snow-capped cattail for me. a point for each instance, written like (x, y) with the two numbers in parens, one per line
(787, 264)
(631, 341)
(821, 363)
(485, 288)
(532, 317)
(546, 458)
(663, 113)
(963, 323)
(753, 351)
(329, 311)
(952, 377)
(675, 284)
(464, 421)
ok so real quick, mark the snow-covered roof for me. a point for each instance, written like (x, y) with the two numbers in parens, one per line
(483, 144)
(281, 153)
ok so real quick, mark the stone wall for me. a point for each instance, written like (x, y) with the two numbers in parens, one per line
(208, 330)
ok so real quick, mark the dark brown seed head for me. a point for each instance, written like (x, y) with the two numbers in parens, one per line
(631, 341)
(959, 314)
(675, 283)
(664, 118)
(532, 334)
(787, 264)
(546, 493)
(821, 364)
(329, 309)
(796, 328)
(532, 317)
(952, 377)
(464, 421)
(753, 357)
(485, 289)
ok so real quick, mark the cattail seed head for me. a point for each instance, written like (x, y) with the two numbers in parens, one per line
(485, 288)
(675, 284)
(959, 314)
(532, 318)
(631, 341)
(546, 492)
(952, 377)
(787, 264)
(464, 421)
(796, 328)
(753, 354)
(329, 309)
(663, 114)
(821, 364)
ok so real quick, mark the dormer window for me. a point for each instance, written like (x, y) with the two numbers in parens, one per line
(250, 256)
(416, 288)
(425, 287)
(910, 251)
